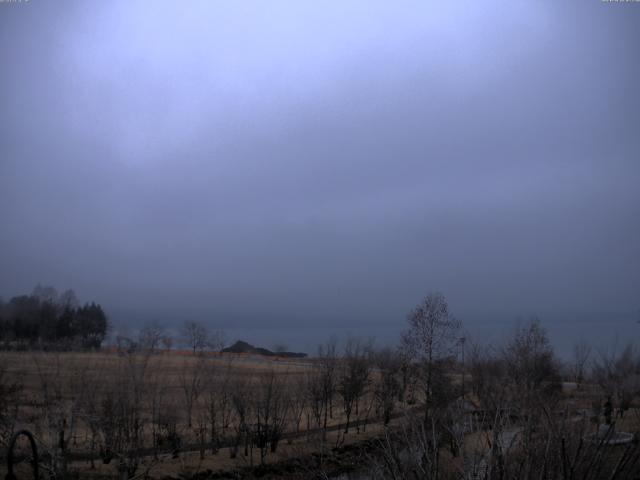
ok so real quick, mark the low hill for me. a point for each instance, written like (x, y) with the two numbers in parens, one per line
(244, 347)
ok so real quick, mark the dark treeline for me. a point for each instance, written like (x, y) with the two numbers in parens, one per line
(46, 319)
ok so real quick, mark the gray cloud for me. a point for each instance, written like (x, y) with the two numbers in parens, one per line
(290, 164)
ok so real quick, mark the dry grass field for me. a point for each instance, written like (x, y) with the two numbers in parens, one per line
(173, 413)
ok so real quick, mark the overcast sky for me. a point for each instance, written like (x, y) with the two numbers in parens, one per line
(271, 165)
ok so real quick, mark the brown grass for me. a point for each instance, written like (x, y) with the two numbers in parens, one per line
(69, 372)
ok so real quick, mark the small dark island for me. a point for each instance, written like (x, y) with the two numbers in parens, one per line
(244, 347)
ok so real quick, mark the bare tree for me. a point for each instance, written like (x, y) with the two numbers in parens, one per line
(225, 401)
(407, 452)
(581, 355)
(531, 364)
(168, 418)
(430, 341)
(353, 377)
(315, 393)
(151, 336)
(298, 400)
(619, 375)
(195, 336)
(328, 363)
(533, 375)
(192, 383)
(241, 400)
(125, 344)
(387, 385)
(167, 342)
(269, 412)
(63, 384)
(491, 385)
(90, 406)
(520, 431)
(125, 416)
(214, 383)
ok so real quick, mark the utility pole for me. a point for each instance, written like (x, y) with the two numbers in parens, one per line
(462, 341)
